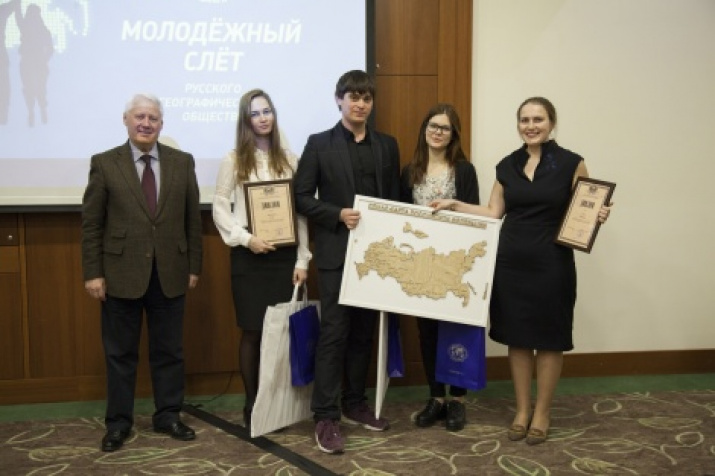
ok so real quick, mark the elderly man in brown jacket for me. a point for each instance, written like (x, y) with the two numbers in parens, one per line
(141, 251)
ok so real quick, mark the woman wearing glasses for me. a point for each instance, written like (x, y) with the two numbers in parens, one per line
(261, 274)
(439, 170)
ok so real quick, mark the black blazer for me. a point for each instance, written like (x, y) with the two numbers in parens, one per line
(325, 167)
(465, 181)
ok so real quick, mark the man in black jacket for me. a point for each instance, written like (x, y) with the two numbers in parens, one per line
(349, 159)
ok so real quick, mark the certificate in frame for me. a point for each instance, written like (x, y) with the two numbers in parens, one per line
(270, 211)
(580, 224)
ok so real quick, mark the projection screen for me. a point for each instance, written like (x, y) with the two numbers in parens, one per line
(68, 67)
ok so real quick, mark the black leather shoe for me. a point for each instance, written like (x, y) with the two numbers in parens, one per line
(114, 439)
(456, 415)
(177, 430)
(435, 410)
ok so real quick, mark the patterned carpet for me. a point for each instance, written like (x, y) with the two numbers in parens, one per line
(663, 433)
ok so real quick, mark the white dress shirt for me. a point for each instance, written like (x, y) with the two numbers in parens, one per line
(232, 225)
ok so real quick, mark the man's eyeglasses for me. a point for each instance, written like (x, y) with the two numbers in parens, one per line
(432, 128)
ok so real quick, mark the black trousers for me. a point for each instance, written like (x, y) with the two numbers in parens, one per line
(428, 344)
(121, 331)
(344, 350)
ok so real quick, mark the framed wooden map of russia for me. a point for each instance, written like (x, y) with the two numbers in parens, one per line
(405, 259)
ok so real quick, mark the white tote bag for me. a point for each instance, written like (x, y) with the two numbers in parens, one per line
(278, 403)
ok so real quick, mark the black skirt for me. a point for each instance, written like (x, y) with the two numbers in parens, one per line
(259, 281)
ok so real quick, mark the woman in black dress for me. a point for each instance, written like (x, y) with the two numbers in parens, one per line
(439, 169)
(534, 288)
(261, 274)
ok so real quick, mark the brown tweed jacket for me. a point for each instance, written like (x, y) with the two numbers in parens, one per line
(119, 237)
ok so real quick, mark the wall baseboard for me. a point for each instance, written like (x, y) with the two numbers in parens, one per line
(622, 363)
(575, 365)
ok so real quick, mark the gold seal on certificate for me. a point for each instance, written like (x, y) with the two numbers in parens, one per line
(271, 211)
(580, 224)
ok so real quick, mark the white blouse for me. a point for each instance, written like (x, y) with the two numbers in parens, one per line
(232, 225)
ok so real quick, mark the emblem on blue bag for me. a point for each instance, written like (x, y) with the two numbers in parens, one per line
(458, 353)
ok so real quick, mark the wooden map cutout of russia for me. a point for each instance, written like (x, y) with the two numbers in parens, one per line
(422, 273)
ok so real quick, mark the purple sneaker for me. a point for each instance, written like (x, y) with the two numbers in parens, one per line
(362, 415)
(327, 435)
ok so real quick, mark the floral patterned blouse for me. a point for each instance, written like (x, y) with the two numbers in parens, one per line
(439, 186)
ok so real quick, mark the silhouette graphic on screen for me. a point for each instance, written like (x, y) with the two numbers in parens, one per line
(35, 52)
(6, 9)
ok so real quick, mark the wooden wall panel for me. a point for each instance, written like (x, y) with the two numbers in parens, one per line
(88, 322)
(88, 329)
(210, 332)
(10, 259)
(411, 353)
(8, 229)
(11, 337)
(406, 37)
(448, 32)
(400, 105)
(54, 283)
(455, 67)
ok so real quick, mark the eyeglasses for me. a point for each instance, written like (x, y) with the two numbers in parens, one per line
(432, 128)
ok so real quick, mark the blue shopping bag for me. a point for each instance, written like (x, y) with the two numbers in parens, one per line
(395, 363)
(304, 330)
(461, 355)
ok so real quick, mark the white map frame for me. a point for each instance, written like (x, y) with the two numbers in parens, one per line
(445, 232)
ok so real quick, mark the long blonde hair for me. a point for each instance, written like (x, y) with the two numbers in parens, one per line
(246, 140)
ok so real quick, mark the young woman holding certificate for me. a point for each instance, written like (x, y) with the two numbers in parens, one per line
(261, 274)
(534, 287)
(439, 169)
